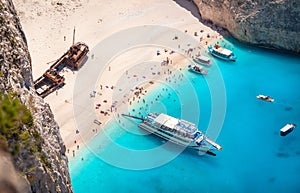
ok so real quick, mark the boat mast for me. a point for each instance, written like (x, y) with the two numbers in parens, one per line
(72, 49)
(73, 37)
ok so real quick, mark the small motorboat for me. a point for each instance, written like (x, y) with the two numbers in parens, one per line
(287, 129)
(222, 53)
(265, 98)
(198, 69)
(203, 60)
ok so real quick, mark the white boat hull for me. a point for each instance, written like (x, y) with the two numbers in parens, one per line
(200, 71)
(211, 51)
(181, 141)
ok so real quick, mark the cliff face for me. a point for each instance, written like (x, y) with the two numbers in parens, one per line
(268, 23)
(40, 156)
(10, 181)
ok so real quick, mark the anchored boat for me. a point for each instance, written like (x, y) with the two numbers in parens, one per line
(222, 53)
(203, 60)
(198, 69)
(287, 129)
(265, 98)
(177, 131)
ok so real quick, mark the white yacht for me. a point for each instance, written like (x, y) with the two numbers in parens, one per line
(177, 131)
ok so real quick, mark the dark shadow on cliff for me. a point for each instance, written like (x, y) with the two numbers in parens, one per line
(190, 6)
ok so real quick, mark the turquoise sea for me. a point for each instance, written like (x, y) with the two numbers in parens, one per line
(254, 158)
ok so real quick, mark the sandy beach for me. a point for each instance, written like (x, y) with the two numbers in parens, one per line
(48, 26)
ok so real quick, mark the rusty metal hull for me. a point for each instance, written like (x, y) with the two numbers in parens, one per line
(51, 79)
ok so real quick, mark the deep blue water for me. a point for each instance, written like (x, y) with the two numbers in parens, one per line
(254, 158)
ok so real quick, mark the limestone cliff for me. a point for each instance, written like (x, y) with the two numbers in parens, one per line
(38, 150)
(268, 23)
(10, 181)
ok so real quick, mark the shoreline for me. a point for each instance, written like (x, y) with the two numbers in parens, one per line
(180, 62)
(48, 30)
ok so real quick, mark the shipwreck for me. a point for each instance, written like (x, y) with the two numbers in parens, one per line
(53, 79)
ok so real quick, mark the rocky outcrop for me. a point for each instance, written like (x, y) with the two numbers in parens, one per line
(10, 181)
(267, 23)
(41, 158)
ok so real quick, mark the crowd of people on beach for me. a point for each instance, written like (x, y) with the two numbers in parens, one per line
(136, 101)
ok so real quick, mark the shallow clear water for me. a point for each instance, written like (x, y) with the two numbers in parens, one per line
(254, 158)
